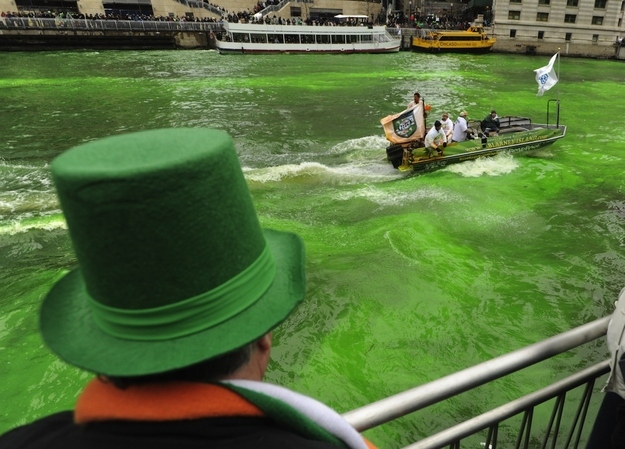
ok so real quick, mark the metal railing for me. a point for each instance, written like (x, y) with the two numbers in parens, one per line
(35, 23)
(418, 398)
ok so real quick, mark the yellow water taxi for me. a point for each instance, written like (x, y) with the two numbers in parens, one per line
(472, 40)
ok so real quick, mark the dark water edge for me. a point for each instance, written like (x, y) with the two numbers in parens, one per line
(81, 42)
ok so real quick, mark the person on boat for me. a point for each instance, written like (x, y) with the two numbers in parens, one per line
(174, 320)
(447, 126)
(415, 101)
(491, 124)
(418, 100)
(435, 139)
(461, 128)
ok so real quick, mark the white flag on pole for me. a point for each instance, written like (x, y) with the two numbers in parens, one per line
(546, 77)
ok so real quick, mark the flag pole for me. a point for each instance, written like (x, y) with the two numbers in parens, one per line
(558, 93)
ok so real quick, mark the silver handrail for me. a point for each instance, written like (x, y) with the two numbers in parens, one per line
(417, 398)
(510, 409)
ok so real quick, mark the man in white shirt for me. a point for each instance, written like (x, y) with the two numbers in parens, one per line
(447, 126)
(435, 140)
(415, 101)
(460, 128)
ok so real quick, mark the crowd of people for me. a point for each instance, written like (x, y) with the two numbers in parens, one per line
(245, 16)
(65, 14)
(429, 21)
(392, 20)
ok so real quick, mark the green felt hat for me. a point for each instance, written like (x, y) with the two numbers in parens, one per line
(174, 267)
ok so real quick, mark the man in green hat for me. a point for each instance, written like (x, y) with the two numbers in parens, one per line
(172, 305)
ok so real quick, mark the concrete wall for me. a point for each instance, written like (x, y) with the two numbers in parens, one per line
(519, 24)
(8, 6)
(532, 46)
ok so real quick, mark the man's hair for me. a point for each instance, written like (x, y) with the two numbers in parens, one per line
(206, 371)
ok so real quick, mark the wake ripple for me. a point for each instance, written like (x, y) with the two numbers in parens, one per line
(354, 161)
(502, 164)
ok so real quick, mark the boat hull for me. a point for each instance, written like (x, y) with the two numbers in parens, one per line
(447, 47)
(540, 136)
(250, 49)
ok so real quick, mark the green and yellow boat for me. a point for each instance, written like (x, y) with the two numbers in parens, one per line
(406, 132)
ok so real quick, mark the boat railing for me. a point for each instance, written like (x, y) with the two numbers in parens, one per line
(557, 102)
(487, 426)
(36, 23)
(511, 121)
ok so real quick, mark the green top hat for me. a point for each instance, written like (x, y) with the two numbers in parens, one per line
(174, 267)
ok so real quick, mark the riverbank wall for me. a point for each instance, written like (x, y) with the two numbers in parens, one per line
(164, 36)
(38, 40)
(538, 47)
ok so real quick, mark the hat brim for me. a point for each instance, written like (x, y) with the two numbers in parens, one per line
(68, 328)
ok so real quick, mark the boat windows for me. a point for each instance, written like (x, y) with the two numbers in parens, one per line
(307, 38)
(275, 38)
(366, 38)
(323, 39)
(291, 38)
(240, 37)
(338, 39)
(259, 38)
(352, 38)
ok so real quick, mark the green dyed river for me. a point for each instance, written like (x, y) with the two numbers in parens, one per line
(409, 277)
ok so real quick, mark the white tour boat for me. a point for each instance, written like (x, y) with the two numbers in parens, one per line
(272, 38)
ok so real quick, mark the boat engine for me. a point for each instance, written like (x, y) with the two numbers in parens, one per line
(395, 154)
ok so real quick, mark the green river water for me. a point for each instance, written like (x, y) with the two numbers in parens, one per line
(410, 278)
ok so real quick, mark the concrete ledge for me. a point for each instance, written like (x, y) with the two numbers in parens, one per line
(20, 40)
